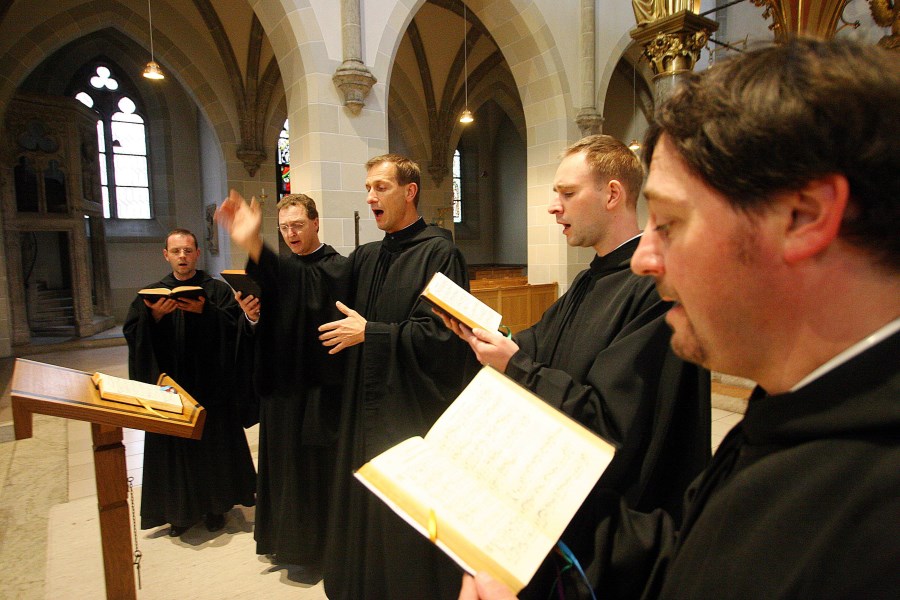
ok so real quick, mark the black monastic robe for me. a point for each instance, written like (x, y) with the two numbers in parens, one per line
(801, 500)
(185, 479)
(601, 354)
(298, 385)
(399, 381)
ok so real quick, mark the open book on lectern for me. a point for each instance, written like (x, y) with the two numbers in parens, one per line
(495, 481)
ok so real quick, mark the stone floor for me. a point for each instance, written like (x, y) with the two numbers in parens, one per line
(49, 531)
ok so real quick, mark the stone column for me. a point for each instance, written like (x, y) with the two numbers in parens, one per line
(588, 119)
(672, 45)
(352, 78)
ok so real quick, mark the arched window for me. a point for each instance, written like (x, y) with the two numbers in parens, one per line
(283, 172)
(122, 143)
(457, 187)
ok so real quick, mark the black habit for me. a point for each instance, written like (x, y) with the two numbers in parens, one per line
(185, 479)
(601, 354)
(399, 381)
(298, 385)
(801, 500)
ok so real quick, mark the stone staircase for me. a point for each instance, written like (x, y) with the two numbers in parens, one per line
(52, 311)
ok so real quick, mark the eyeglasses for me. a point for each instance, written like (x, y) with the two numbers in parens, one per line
(295, 227)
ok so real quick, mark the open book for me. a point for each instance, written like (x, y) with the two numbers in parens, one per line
(495, 481)
(182, 291)
(449, 297)
(152, 397)
(241, 282)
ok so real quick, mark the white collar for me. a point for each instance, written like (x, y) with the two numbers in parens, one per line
(858, 348)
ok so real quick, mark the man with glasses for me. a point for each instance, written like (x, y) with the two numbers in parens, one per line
(297, 383)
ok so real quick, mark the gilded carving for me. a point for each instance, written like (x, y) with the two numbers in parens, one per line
(673, 52)
(647, 11)
(791, 17)
(887, 14)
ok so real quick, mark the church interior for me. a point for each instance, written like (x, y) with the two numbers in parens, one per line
(270, 97)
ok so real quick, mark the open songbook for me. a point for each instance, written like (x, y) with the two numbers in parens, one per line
(449, 297)
(152, 397)
(495, 481)
(182, 291)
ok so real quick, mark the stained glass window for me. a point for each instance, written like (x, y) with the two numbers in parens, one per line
(457, 187)
(283, 171)
(124, 171)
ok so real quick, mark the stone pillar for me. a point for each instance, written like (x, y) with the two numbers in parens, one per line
(672, 45)
(588, 119)
(352, 78)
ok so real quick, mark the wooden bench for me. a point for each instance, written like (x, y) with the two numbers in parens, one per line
(520, 304)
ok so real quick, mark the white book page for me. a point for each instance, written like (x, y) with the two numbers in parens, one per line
(487, 519)
(504, 469)
(521, 448)
(445, 289)
(146, 391)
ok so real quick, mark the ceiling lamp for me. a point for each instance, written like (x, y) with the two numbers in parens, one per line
(634, 146)
(466, 116)
(152, 70)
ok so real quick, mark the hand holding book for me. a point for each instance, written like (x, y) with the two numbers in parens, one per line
(447, 296)
(484, 483)
(152, 295)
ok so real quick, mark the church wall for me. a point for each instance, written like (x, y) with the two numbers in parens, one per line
(213, 188)
(135, 262)
(509, 165)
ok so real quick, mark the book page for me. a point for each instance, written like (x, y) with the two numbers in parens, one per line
(491, 470)
(461, 304)
(152, 394)
(434, 491)
(522, 448)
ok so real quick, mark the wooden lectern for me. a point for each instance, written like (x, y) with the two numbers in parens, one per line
(68, 393)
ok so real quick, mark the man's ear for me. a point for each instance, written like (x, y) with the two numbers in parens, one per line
(411, 189)
(616, 194)
(817, 211)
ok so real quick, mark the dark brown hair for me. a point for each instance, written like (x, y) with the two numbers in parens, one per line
(181, 231)
(407, 170)
(299, 200)
(776, 118)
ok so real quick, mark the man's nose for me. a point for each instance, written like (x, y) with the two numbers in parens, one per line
(555, 206)
(647, 259)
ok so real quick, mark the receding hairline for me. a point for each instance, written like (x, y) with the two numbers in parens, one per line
(184, 233)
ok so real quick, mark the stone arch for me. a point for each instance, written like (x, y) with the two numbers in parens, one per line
(47, 37)
(623, 46)
(524, 38)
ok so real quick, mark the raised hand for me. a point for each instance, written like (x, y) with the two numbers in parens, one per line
(243, 222)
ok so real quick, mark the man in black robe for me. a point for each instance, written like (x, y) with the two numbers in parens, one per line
(601, 352)
(191, 340)
(298, 384)
(403, 369)
(773, 196)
